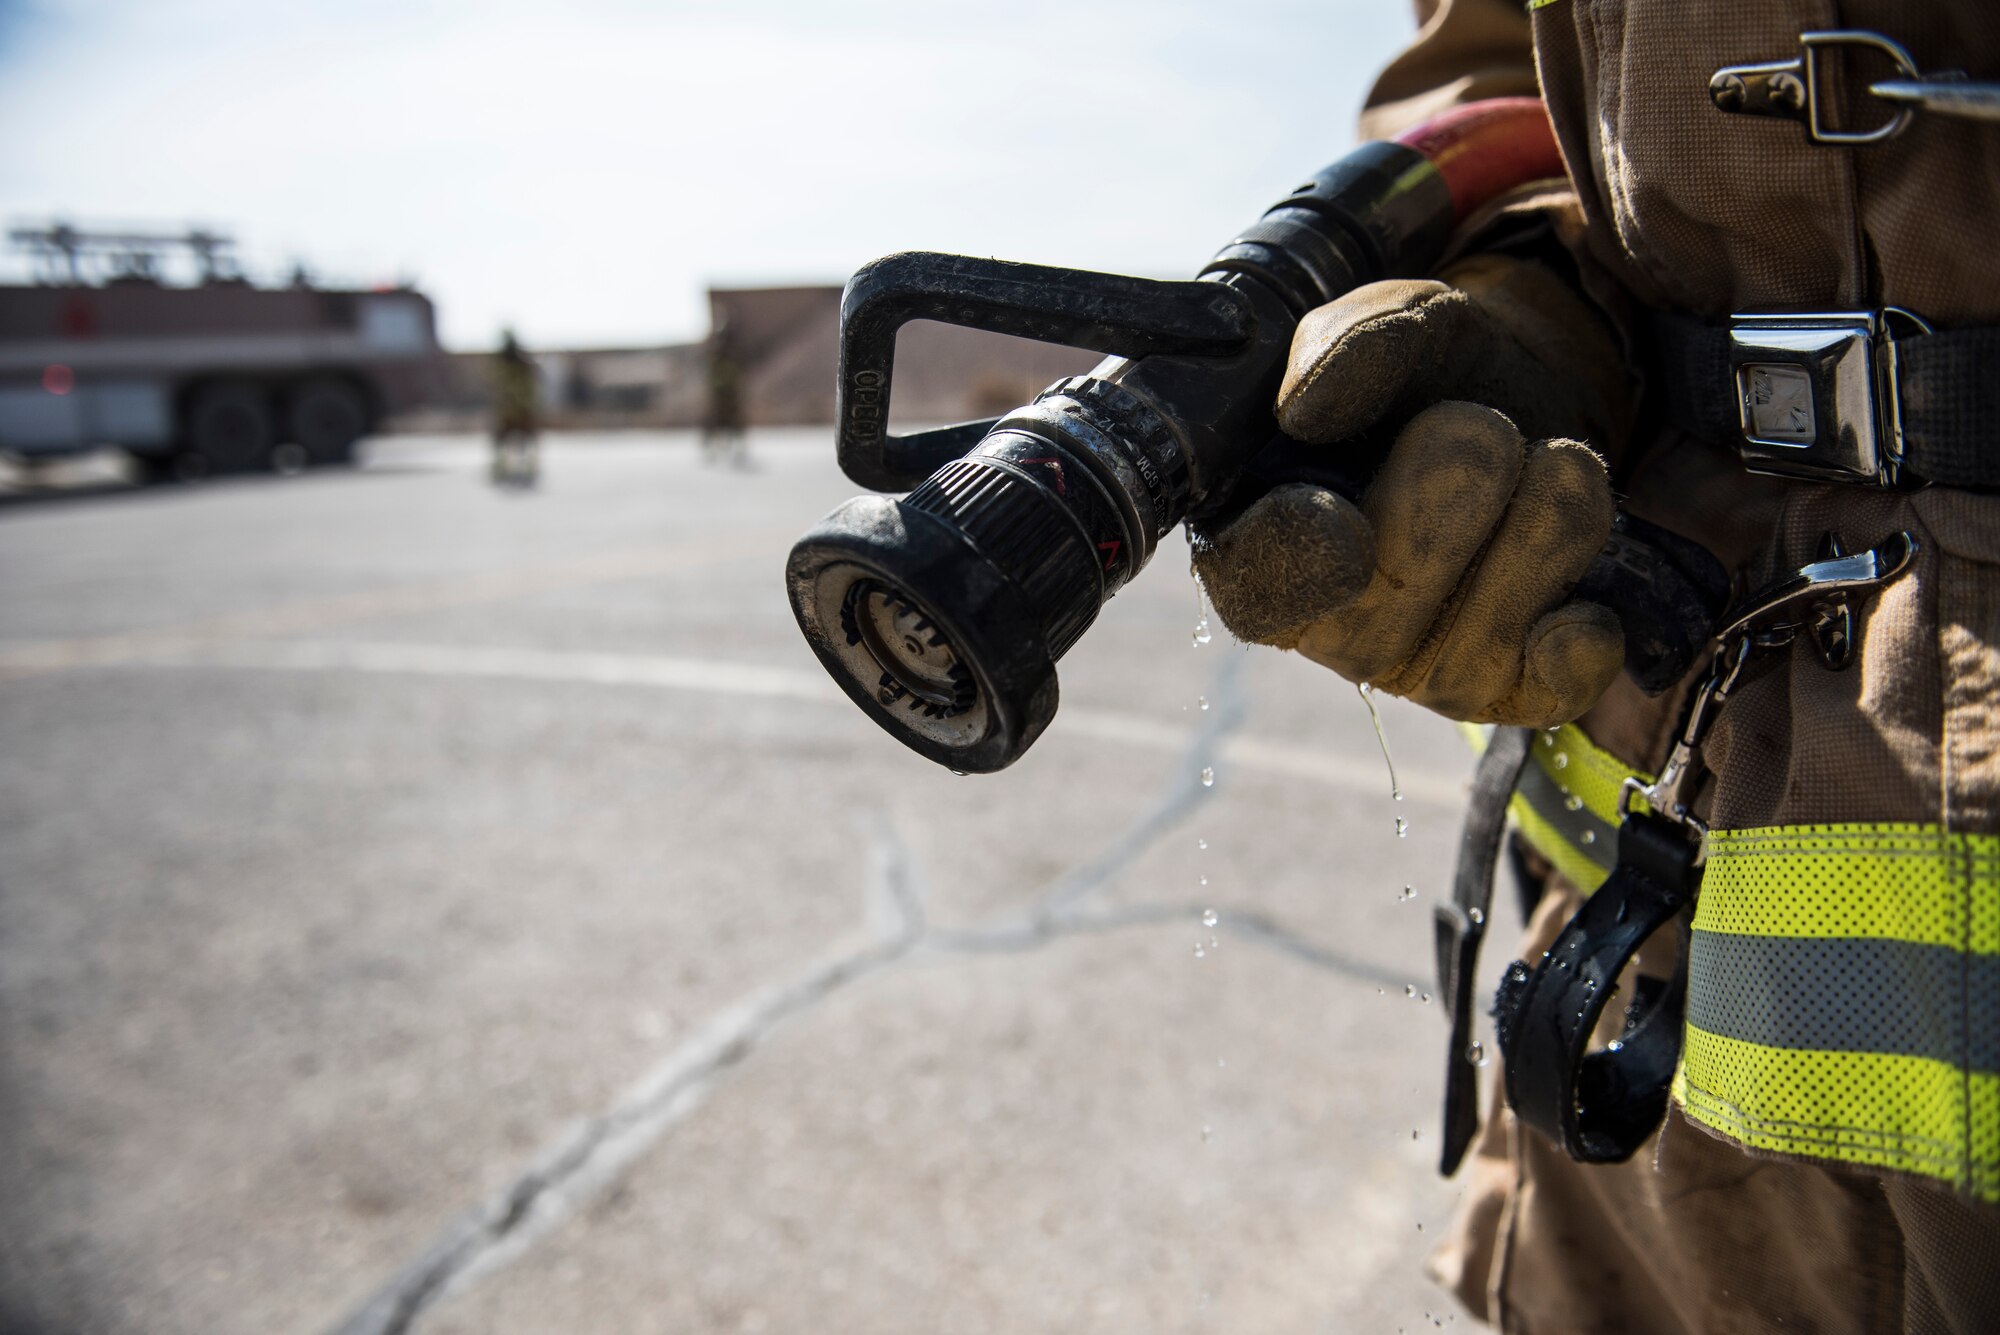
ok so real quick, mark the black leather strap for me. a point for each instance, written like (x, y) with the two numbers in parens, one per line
(1599, 1107)
(1949, 383)
(1461, 926)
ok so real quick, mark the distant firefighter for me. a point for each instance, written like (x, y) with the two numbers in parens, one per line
(722, 437)
(516, 424)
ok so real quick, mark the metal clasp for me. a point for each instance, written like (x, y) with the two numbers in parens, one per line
(1672, 794)
(1818, 394)
(1768, 619)
(1793, 89)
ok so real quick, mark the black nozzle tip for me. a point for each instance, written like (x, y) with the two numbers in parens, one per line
(926, 634)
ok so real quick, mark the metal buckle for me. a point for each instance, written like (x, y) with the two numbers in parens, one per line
(1818, 394)
(1792, 89)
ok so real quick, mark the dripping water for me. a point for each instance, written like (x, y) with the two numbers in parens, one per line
(1381, 738)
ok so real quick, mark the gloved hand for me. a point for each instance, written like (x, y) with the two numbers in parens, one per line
(1451, 583)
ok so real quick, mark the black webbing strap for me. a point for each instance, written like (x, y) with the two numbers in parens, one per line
(1461, 925)
(1948, 381)
(1689, 370)
(1951, 393)
(1599, 1107)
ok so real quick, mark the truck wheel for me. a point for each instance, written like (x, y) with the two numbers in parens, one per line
(229, 424)
(326, 416)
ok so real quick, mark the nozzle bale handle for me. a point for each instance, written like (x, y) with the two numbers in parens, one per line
(1106, 313)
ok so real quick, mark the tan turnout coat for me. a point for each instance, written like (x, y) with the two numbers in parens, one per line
(1686, 209)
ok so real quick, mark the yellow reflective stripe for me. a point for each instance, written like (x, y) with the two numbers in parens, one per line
(1882, 939)
(1577, 776)
(1909, 1114)
(1572, 768)
(1576, 866)
(1903, 882)
(1575, 763)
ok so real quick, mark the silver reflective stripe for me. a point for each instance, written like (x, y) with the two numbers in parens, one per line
(1847, 994)
(1552, 805)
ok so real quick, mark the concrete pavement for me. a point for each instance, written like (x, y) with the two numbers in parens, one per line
(429, 908)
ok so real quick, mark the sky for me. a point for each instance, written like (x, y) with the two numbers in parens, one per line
(585, 170)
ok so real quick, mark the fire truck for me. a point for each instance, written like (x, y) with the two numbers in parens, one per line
(214, 374)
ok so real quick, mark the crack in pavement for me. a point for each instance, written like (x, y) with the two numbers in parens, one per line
(1056, 914)
(596, 1151)
(1227, 712)
(593, 1153)
(1254, 925)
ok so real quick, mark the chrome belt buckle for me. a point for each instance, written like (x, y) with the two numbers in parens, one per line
(1816, 395)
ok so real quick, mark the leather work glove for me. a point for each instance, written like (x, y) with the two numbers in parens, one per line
(1451, 582)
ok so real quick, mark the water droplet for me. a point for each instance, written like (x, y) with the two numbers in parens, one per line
(1413, 1136)
(1207, 777)
(1206, 1132)
(1549, 739)
(1476, 1053)
(1478, 915)
(1615, 1045)
(1519, 973)
(1408, 893)
(1572, 803)
(1202, 635)
(1409, 989)
(1201, 843)
(1202, 700)
(1588, 836)
(1425, 998)
(959, 772)
(1420, 1228)
(1402, 828)
(1209, 917)
(1204, 880)
(1381, 738)
(1562, 760)
(1198, 951)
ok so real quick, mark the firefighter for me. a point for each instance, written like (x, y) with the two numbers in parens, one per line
(1743, 183)
(516, 416)
(722, 436)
